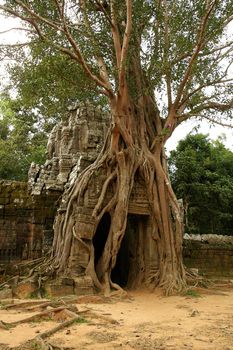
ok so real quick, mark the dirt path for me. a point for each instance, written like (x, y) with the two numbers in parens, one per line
(143, 321)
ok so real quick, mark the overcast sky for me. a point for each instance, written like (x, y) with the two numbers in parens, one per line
(180, 132)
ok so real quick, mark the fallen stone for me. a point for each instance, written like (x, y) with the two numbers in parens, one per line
(194, 313)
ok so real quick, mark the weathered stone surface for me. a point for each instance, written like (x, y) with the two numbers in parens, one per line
(25, 289)
(25, 222)
(212, 254)
(210, 239)
(83, 285)
(68, 286)
(72, 145)
(58, 290)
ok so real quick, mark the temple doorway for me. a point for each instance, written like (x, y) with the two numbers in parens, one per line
(101, 236)
(129, 269)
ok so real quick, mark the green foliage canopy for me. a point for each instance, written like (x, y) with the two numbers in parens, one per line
(184, 49)
(202, 174)
(20, 142)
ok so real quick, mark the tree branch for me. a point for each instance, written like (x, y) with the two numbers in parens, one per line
(167, 63)
(228, 20)
(187, 116)
(217, 122)
(17, 44)
(83, 63)
(99, 58)
(213, 83)
(38, 17)
(223, 107)
(14, 13)
(115, 34)
(200, 43)
(188, 54)
(196, 112)
(16, 28)
(125, 44)
(60, 8)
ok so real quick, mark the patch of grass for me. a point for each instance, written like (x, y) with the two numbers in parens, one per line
(39, 293)
(34, 295)
(192, 293)
(35, 345)
(81, 320)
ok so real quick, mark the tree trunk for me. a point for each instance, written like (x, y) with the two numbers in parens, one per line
(134, 145)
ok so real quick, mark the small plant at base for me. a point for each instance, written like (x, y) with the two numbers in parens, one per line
(81, 320)
(192, 293)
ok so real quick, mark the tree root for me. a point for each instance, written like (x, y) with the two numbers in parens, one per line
(4, 325)
(58, 328)
(94, 315)
(120, 292)
(38, 343)
(38, 305)
(28, 305)
(195, 280)
(37, 268)
(7, 282)
(36, 317)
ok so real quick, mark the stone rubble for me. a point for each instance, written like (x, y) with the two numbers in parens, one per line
(209, 238)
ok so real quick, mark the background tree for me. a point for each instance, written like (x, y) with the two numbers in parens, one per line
(21, 143)
(133, 52)
(202, 174)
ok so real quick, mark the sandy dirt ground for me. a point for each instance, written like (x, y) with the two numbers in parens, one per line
(140, 321)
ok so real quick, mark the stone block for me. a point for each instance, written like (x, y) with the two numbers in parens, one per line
(25, 289)
(59, 290)
(83, 285)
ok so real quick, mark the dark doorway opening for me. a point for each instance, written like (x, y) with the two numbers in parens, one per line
(101, 236)
(120, 272)
(127, 266)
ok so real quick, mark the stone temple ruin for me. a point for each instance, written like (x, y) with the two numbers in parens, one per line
(27, 211)
(75, 142)
(72, 146)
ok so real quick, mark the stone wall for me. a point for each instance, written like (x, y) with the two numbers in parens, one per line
(25, 222)
(212, 259)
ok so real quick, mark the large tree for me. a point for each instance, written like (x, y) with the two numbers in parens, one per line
(158, 63)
